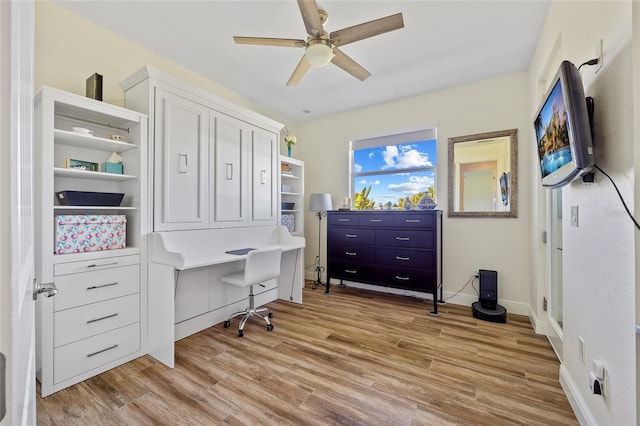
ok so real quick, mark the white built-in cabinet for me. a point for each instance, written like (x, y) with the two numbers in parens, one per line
(215, 163)
(98, 318)
(292, 191)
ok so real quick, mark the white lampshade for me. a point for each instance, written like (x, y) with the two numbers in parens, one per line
(319, 53)
(320, 202)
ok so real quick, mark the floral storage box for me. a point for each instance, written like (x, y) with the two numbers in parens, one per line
(81, 233)
(289, 221)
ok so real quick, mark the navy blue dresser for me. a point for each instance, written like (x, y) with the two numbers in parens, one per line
(391, 248)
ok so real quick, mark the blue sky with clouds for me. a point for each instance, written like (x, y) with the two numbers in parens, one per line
(397, 159)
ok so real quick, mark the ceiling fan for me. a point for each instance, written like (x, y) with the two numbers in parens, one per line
(322, 47)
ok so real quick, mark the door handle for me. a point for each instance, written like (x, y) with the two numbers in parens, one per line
(47, 288)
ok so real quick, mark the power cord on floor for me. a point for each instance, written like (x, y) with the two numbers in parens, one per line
(471, 279)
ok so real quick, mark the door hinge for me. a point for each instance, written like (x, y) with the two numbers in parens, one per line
(544, 304)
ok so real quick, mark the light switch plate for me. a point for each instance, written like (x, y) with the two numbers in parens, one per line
(574, 216)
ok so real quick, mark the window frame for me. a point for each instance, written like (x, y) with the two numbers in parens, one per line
(428, 134)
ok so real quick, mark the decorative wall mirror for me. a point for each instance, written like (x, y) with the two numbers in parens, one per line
(483, 175)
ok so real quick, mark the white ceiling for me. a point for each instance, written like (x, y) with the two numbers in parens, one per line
(443, 44)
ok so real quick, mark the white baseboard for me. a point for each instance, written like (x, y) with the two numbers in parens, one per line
(461, 299)
(578, 404)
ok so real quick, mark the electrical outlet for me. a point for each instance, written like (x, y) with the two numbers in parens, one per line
(574, 216)
(599, 54)
(581, 354)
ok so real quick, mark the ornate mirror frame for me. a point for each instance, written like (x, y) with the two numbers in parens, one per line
(513, 184)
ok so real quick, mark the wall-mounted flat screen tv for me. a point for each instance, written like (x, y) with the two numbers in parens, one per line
(563, 130)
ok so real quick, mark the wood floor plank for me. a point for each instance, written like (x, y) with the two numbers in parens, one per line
(353, 357)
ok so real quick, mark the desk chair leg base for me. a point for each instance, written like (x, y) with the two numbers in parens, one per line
(248, 313)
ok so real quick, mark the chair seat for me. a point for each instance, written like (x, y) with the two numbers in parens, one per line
(236, 278)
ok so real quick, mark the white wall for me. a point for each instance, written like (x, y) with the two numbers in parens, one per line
(598, 256)
(469, 243)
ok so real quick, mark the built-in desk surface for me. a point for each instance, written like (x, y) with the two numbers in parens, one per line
(174, 253)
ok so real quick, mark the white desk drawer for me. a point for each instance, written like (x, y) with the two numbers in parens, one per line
(85, 321)
(95, 286)
(78, 357)
(94, 264)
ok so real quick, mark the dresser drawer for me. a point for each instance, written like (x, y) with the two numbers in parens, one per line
(76, 358)
(407, 238)
(376, 219)
(351, 271)
(405, 258)
(415, 220)
(411, 279)
(352, 253)
(351, 235)
(344, 219)
(95, 265)
(90, 287)
(85, 321)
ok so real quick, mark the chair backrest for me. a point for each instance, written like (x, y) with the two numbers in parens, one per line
(262, 265)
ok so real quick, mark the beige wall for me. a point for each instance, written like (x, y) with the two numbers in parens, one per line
(69, 49)
(469, 243)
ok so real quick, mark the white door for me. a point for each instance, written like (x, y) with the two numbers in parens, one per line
(263, 177)
(17, 329)
(229, 155)
(554, 305)
(181, 170)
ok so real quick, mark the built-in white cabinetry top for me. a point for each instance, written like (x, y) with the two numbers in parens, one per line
(215, 162)
(292, 194)
(92, 249)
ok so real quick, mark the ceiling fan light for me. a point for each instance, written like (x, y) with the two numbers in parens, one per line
(319, 53)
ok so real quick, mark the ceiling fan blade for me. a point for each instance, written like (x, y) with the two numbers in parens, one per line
(311, 17)
(367, 29)
(349, 65)
(299, 72)
(265, 41)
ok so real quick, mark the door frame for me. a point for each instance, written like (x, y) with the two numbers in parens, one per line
(17, 322)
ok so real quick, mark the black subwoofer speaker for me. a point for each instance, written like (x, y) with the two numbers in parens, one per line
(488, 289)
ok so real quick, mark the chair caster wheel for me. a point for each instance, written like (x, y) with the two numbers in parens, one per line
(270, 315)
(269, 327)
(227, 324)
(240, 333)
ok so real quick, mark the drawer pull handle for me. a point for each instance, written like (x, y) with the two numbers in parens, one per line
(102, 350)
(412, 220)
(95, 265)
(351, 235)
(402, 258)
(103, 318)
(350, 271)
(375, 220)
(402, 278)
(343, 220)
(350, 253)
(402, 238)
(93, 287)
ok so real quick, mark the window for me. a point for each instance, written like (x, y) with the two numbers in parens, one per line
(391, 169)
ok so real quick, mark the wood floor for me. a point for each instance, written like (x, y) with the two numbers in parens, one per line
(351, 358)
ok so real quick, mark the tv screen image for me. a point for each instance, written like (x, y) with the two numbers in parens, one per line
(563, 131)
(552, 133)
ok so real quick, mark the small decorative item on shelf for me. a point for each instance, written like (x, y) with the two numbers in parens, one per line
(113, 164)
(70, 163)
(291, 141)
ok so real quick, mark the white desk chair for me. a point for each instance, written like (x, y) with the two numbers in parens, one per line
(261, 265)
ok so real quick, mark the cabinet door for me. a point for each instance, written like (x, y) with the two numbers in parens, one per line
(263, 177)
(181, 170)
(229, 152)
